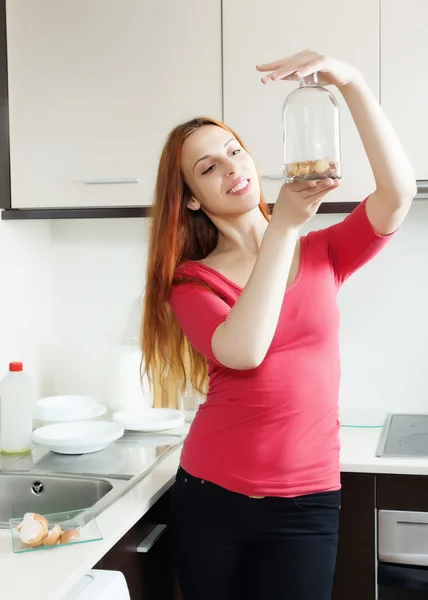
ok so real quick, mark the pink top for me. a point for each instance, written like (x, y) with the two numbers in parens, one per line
(274, 430)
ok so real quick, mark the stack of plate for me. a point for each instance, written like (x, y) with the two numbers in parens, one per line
(79, 437)
(149, 419)
(60, 409)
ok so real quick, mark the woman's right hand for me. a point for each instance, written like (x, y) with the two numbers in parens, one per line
(299, 201)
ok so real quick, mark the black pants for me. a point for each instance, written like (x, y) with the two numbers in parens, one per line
(231, 547)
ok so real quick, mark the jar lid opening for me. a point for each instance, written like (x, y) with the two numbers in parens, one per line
(311, 79)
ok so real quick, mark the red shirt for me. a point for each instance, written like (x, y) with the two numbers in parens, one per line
(274, 430)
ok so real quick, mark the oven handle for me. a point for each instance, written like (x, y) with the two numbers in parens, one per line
(402, 577)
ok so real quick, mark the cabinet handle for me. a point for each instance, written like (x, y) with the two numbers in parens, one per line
(422, 185)
(115, 180)
(151, 538)
(274, 177)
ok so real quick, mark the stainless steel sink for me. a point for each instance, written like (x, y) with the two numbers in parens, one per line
(21, 493)
(44, 482)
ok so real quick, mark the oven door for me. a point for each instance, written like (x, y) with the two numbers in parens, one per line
(398, 582)
(403, 555)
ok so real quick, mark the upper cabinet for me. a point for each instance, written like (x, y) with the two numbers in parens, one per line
(256, 31)
(95, 87)
(404, 90)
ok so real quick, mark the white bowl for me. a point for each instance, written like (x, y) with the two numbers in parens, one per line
(64, 408)
(78, 437)
(97, 411)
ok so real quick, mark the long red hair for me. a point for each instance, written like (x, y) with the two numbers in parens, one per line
(177, 235)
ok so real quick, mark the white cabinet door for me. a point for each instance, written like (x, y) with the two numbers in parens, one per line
(256, 31)
(94, 88)
(404, 75)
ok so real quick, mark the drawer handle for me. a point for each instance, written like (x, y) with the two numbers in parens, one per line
(115, 180)
(422, 187)
(274, 177)
(411, 523)
(151, 538)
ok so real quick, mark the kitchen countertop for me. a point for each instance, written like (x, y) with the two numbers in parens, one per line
(358, 455)
(48, 575)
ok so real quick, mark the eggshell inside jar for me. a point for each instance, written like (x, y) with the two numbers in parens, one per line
(32, 532)
(69, 535)
(312, 169)
(53, 536)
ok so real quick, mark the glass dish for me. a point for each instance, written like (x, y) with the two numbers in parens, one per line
(81, 520)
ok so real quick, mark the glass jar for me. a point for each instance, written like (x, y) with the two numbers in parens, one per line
(189, 402)
(311, 133)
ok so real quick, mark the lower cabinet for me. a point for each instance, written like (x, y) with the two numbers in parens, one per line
(149, 575)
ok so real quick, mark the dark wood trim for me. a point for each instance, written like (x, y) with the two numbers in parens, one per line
(113, 212)
(5, 194)
(337, 207)
(120, 212)
(355, 576)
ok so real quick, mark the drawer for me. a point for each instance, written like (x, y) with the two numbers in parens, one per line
(402, 492)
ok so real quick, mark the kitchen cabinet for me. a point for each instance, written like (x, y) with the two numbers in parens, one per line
(95, 87)
(256, 32)
(404, 89)
(150, 575)
(402, 492)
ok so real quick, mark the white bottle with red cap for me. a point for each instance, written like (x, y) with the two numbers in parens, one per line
(16, 407)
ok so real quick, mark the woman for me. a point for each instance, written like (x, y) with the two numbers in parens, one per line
(256, 500)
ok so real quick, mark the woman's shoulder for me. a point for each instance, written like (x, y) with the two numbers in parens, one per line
(201, 273)
(192, 271)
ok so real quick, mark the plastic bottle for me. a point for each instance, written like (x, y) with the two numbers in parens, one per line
(16, 408)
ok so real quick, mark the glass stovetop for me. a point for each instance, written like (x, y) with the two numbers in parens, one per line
(404, 436)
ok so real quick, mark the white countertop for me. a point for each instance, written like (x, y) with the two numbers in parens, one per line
(50, 574)
(358, 455)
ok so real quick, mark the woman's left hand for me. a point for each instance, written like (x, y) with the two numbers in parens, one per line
(330, 71)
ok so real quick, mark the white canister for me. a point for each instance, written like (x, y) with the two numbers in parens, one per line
(127, 392)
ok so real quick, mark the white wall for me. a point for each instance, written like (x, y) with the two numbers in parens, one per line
(98, 271)
(384, 328)
(26, 296)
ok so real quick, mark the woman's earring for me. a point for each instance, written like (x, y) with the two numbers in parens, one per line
(193, 204)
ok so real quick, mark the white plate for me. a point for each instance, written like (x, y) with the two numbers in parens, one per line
(64, 408)
(98, 411)
(78, 437)
(149, 419)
